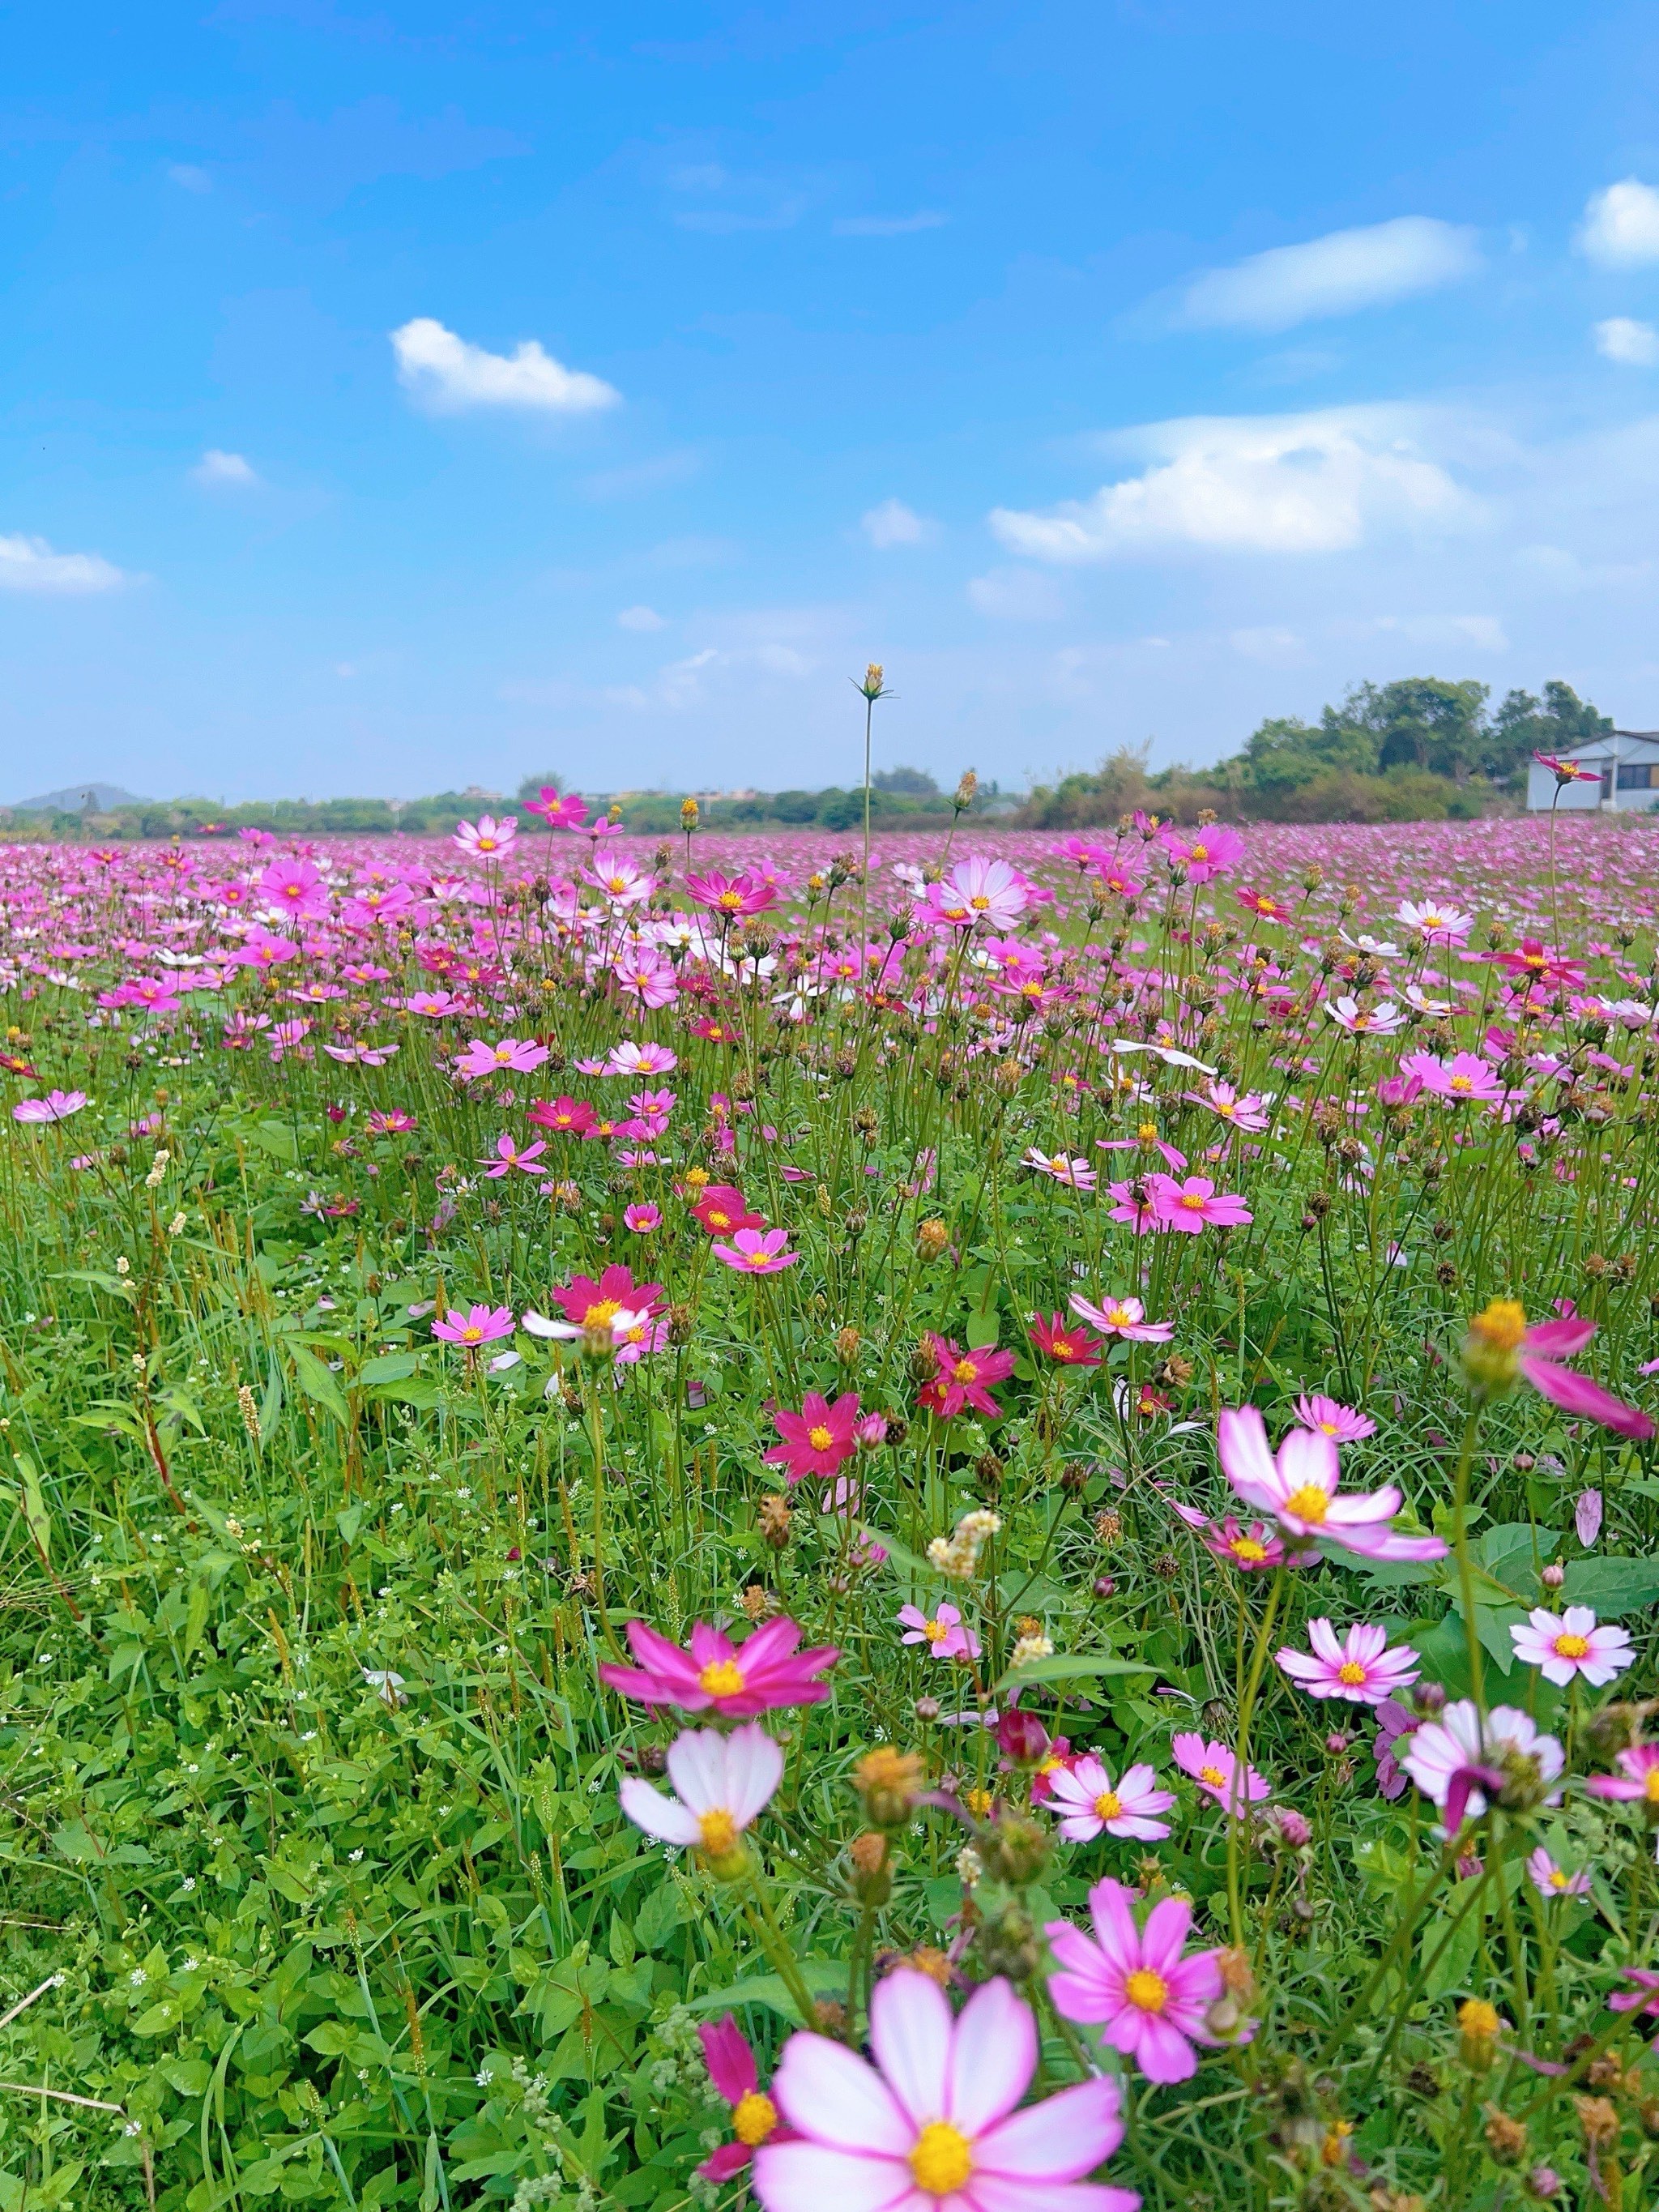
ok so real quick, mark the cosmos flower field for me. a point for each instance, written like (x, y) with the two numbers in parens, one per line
(690, 1523)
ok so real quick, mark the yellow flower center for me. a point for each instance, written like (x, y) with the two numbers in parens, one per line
(1462, 1083)
(1199, 853)
(1213, 1775)
(942, 2158)
(1330, 1428)
(936, 1630)
(471, 1334)
(1147, 1132)
(1351, 1674)
(721, 1678)
(602, 1310)
(1502, 1325)
(486, 844)
(1309, 1504)
(1477, 2018)
(1194, 1199)
(1651, 1785)
(1571, 1647)
(1146, 1990)
(720, 1834)
(1108, 1806)
(754, 2119)
(965, 1371)
(979, 902)
(819, 1438)
(731, 900)
(1558, 1880)
(1246, 1548)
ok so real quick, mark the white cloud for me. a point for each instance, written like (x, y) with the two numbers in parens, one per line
(1622, 226)
(1318, 482)
(446, 374)
(641, 618)
(1623, 339)
(189, 178)
(1332, 275)
(220, 472)
(888, 225)
(1274, 648)
(28, 564)
(892, 523)
(1015, 595)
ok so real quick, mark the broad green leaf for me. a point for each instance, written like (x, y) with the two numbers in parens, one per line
(1612, 1585)
(34, 1505)
(1068, 1666)
(317, 1380)
(277, 1138)
(824, 1977)
(389, 1367)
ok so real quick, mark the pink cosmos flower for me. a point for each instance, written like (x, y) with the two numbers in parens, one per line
(989, 892)
(1330, 1418)
(1359, 1669)
(620, 1329)
(1454, 1762)
(731, 896)
(1215, 1770)
(519, 1054)
(1196, 1205)
(1299, 1489)
(1437, 924)
(1148, 2000)
(737, 1681)
(933, 2122)
(1502, 1347)
(1247, 1548)
(571, 1117)
(507, 1156)
(1643, 1995)
(756, 1251)
(942, 1631)
(1551, 1882)
(643, 1219)
(55, 1106)
(1124, 1317)
(477, 1325)
(963, 1378)
(1465, 1078)
(754, 2120)
(487, 838)
(1638, 1780)
(1246, 1111)
(567, 813)
(1204, 853)
(1569, 1644)
(296, 887)
(1066, 1347)
(1380, 1020)
(1134, 1203)
(629, 1058)
(817, 1439)
(1088, 1800)
(722, 1784)
(590, 1304)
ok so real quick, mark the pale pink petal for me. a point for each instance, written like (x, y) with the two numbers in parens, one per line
(910, 2038)
(1323, 1636)
(992, 2056)
(1308, 1460)
(1246, 1460)
(1165, 1932)
(696, 1767)
(834, 2098)
(805, 2177)
(988, 2192)
(658, 1815)
(1065, 2135)
(754, 1766)
(1164, 2054)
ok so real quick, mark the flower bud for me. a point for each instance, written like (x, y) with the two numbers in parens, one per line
(872, 1872)
(1506, 2139)
(933, 1237)
(1552, 1576)
(1021, 1738)
(1429, 1699)
(688, 815)
(1544, 2183)
(848, 1340)
(889, 1782)
(1478, 2026)
(1013, 1849)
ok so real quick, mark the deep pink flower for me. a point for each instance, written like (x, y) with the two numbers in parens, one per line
(754, 2116)
(571, 1117)
(1363, 1668)
(817, 1439)
(731, 896)
(590, 1304)
(1148, 2001)
(507, 1156)
(1196, 1205)
(1395, 1725)
(643, 1219)
(1500, 1349)
(933, 2122)
(1215, 1770)
(756, 1251)
(1204, 853)
(567, 813)
(1300, 1489)
(1247, 1548)
(1636, 1781)
(963, 1378)
(736, 1681)
(1066, 1347)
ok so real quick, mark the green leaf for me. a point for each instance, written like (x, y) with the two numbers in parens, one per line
(196, 1617)
(350, 1520)
(277, 1138)
(389, 1367)
(35, 1515)
(1069, 1666)
(824, 1977)
(1612, 1585)
(317, 1380)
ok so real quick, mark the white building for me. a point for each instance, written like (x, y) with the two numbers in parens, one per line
(1625, 780)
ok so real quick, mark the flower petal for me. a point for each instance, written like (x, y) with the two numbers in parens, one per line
(910, 2035)
(835, 2097)
(805, 2177)
(994, 2055)
(1064, 2137)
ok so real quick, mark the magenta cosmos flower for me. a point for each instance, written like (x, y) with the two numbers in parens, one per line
(1363, 1668)
(1205, 854)
(1464, 1079)
(731, 896)
(590, 1304)
(521, 1055)
(963, 1378)
(1637, 1778)
(55, 1106)
(1299, 1489)
(942, 1631)
(756, 1251)
(1247, 1548)
(1124, 1317)
(1196, 1205)
(1215, 1770)
(1501, 1350)
(754, 2120)
(735, 1682)
(1087, 1800)
(1561, 1645)
(477, 1325)
(567, 813)
(722, 1784)
(1148, 2001)
(1330, 1418)
(817, 1439)
(933, 2121)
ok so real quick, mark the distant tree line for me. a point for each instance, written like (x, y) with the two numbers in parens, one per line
(1421, 748)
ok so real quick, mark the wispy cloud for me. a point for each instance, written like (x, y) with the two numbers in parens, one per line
(447, 375)
(892, 523)
(1271, 483)
(1623, 339)
(888, 225)
(188, 177)
(221, 471)
(1620, 229)
(1336, 274)
(28, 564)
(640, 618)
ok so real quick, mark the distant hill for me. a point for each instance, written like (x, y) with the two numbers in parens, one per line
(94, 798)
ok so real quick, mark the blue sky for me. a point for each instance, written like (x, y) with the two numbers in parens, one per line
(403, 396)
